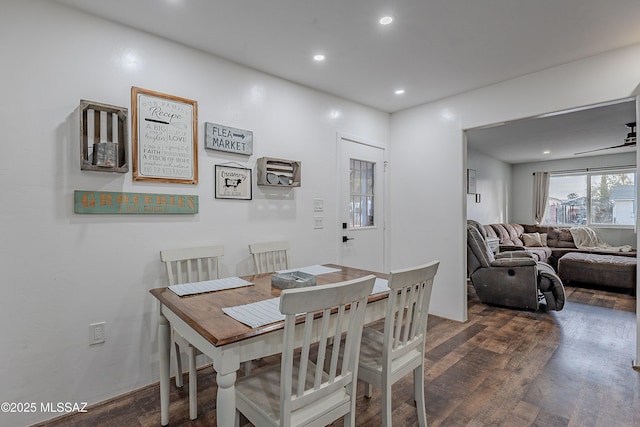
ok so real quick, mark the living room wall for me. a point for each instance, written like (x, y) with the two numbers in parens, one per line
(429, 156)
(493, 185)
(522, 190)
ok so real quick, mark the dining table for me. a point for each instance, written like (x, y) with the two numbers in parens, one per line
(200, 319)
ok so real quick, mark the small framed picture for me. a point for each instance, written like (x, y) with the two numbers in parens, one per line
(471, 181)
(232, 182)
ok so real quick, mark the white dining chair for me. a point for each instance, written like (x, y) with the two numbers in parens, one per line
(298, 391)
(270, 256)
(387, 357)
(188, 265)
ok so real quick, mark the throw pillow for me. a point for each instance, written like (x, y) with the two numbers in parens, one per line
(531, 239)
(543, 239)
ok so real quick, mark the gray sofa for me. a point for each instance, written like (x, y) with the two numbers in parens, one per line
(510, 279)
(559, 241)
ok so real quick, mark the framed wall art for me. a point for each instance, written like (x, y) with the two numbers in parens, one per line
(471, 181)
(225, 138)
(164, 137)
(232, 182)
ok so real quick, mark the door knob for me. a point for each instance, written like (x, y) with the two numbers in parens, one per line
(345, 238)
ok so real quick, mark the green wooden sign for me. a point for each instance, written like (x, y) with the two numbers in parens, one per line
(107, 202)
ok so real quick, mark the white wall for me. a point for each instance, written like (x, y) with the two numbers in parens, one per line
(522, 198)
(429, 157)
(63, 271)
(493, 184)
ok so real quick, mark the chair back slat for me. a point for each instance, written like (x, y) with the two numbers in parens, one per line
(304, 354)
(188, 265)
(322, 347)
(270, 256)
(303, 381)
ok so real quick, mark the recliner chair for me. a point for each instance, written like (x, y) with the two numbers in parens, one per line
(512, 279)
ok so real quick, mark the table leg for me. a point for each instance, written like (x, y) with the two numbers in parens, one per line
(164, 350)
(226, 400)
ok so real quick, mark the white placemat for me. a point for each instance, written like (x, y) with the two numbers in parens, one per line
(258, 313)
(380, 286)
(209, 286)
(312, 269)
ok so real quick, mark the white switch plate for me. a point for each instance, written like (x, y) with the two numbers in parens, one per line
(318, 205)
(318, 222)
(96, 333)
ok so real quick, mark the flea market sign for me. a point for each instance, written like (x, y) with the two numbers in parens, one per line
(107, 202)
(225, 138)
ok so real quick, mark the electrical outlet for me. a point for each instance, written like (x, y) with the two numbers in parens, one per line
(318, 205)
(318, 222)
(97, 333)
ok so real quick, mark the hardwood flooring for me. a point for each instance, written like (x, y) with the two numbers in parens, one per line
(501, 368)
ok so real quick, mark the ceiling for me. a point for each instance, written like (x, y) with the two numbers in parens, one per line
(563, 134)
(433, 49)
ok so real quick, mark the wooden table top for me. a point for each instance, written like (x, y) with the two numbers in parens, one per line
(203, 312)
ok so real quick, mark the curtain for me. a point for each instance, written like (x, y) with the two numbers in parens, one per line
(540, 195)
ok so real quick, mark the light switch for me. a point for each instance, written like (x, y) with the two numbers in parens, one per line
(318, 222)
(318, 205)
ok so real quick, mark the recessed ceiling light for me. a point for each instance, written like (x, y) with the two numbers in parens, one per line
(386, 20)
(399, 91)
(319, 57)
(546, 152)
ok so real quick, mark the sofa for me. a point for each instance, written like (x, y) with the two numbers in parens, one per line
(557, 241)
(555, 246)
(510, 279)
(511, 239)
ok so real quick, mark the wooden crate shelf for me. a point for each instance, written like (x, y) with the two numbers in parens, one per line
(278, 172)
(103, 137)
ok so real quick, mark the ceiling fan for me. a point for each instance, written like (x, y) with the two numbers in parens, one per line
(629, 141)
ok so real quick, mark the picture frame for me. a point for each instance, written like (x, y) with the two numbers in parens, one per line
(471, 181)
(233, 182)
(164, 137)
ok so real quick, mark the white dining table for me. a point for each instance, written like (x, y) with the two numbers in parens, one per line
(200, 319)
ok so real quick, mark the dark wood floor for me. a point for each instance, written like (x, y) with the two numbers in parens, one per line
(501, 368)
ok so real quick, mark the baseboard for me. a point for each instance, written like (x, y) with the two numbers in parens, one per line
(110, 400)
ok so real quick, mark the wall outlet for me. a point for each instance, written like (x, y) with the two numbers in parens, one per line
(97, 333)
(318, 222)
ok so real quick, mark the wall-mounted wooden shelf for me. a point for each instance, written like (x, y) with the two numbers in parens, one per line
(278, 172)
(103, 137)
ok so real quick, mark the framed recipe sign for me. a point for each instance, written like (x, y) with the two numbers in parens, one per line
(164, 138)
(232, 182)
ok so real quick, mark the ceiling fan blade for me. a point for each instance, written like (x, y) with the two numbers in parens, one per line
(626, 144)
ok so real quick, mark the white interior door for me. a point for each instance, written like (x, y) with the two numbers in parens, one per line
(361, 170)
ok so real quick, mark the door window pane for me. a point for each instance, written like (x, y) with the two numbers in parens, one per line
(361, 205)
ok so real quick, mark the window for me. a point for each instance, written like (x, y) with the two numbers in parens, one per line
(362, 194)
(592, 198)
